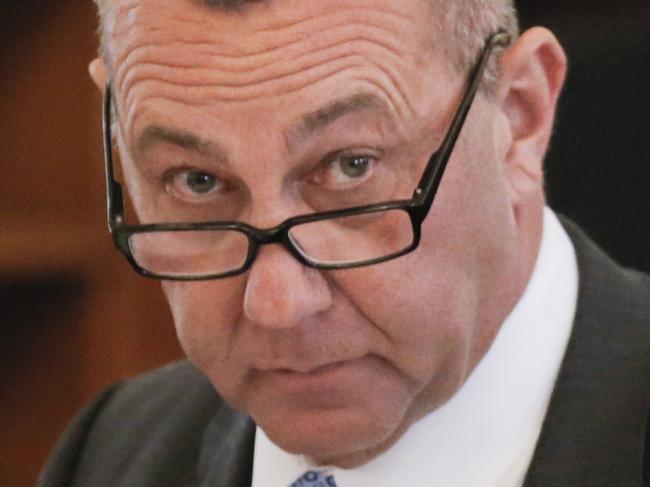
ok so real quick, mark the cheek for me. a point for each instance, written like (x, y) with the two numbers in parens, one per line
(425, 311)
(206, 316)
(430, 304)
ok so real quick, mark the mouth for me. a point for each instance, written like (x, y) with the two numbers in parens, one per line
(330, 378)
(314, 370)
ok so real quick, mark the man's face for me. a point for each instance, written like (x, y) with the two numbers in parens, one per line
(333, 364)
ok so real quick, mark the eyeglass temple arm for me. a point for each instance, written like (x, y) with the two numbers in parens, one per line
(430, 180)
(114, 197)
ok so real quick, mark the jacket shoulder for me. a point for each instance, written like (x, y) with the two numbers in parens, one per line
(143, 431)
(602, 394)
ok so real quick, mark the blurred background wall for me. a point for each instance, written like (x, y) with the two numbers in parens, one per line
(76, 318)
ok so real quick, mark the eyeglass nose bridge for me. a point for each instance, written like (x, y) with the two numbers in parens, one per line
(268, 236)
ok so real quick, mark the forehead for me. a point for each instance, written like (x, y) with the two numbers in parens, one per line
(262, 34)
(279, 52)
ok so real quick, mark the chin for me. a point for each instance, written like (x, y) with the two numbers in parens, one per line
(345, 437)
(336, 414)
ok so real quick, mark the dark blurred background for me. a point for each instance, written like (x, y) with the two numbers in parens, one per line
(76, 318)
(598, 168)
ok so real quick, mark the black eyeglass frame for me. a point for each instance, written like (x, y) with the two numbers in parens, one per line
(417, 207)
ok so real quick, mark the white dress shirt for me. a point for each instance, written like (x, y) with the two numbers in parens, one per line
(486, 434)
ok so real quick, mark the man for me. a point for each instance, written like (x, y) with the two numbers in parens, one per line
(383, 315)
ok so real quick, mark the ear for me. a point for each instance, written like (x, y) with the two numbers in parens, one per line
(532, 75)
(97, 70)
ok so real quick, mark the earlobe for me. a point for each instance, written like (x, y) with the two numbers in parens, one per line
(97, 70)
(533, 72)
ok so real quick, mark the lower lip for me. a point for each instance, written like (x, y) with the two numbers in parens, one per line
(325, 378)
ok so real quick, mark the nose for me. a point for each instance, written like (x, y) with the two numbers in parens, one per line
(281, 292)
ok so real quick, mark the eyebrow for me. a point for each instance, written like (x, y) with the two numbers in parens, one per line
(154, 134)
(317, 120)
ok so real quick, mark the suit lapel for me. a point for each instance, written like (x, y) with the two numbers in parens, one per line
(595, 427)
(227, 452)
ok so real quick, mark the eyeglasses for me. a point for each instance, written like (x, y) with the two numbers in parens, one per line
(336, 239)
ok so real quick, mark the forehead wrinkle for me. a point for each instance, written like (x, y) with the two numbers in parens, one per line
(235, 51)
(365, 13)
(251, 67)
(206, 78)
(273, 85)
(237, 63)
(138, 97)
(257, 42)
(217, 54)
(210, 89)
(366, 84)
(179, 81)
(263, 31)
(190, 93)
(137, 111)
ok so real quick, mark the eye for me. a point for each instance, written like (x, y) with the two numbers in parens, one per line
(350, 169)
(192, 184)
(200, 182)
(354, 167)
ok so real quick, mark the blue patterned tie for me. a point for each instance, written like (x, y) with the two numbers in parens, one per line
(315, 479)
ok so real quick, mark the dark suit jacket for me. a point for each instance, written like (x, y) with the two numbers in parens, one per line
(170, 428)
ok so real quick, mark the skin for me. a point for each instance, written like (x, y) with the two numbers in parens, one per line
(336, 365)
